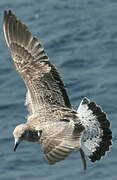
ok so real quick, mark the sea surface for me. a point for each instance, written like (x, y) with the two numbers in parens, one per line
(80, 37)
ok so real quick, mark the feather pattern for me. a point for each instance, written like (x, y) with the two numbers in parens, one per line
(64, 139)
(97, 136)
(40, 76)
(51, 121)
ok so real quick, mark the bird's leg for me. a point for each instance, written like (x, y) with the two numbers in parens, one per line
(83, 159)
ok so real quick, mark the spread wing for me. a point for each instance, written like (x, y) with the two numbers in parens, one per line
(42, 79)
(65, 137)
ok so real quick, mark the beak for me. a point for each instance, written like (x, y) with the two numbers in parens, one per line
(16, 144)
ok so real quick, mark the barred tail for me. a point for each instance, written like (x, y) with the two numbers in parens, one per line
(97, 136)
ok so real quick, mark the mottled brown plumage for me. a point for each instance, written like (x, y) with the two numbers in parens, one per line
(51, 120)
(46, 98)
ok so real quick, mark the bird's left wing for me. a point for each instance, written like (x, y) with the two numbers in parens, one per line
(65, 137)
(42, 79)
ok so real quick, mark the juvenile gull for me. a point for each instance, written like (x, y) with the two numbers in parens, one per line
(51, 121)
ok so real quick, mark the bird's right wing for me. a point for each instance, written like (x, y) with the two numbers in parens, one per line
(42, 79)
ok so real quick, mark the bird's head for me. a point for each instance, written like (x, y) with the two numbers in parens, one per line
(20, 134)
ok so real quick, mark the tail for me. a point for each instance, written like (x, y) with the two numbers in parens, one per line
(97, 136)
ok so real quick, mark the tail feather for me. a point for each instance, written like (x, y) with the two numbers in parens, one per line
(97, 136)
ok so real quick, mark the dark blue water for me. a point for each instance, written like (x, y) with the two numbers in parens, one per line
(80, 37)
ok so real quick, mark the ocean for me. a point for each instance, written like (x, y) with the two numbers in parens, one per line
(80, 38)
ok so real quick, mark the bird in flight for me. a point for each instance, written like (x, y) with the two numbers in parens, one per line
(51, 120)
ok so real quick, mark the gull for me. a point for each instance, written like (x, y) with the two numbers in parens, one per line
(51, 120)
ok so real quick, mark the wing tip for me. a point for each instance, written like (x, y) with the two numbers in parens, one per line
(7, 14)
(7, 19)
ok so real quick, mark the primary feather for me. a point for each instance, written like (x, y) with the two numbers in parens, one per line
(40, 76)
